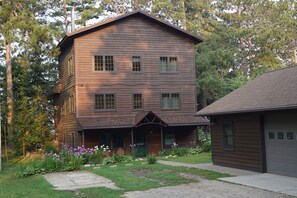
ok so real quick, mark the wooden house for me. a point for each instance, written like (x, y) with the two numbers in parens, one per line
(129, 83)
(255, 126)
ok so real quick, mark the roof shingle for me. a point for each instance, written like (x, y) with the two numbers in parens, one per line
(131, 121)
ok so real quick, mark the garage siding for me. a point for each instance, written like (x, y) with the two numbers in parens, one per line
(246, 153)
(281, 150)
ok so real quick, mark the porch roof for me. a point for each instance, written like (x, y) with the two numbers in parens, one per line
(131, 121)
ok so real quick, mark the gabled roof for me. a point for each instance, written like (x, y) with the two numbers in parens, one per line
(145, 118)
(275, 90)
(70, 36)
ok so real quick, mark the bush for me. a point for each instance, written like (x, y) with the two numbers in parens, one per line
(206, 146)
(163, 154)
(109, 160)
(195, 150)
(179, 151)
(151, 159)
(205, 140)
(50, 147)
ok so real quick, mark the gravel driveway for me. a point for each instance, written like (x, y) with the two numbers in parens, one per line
(205, 188)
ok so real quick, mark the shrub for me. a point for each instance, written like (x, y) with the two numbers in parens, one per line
(195, 150)
(109, 160)
(179, 151)
(205, 140)
(206, 146)
(50, 147)
(163, 154)
(151, 159)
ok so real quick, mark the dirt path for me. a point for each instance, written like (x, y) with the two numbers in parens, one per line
(205, 188)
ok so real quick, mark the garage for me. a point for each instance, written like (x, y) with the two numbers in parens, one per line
(281, 144)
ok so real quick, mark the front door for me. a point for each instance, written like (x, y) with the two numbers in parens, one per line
(140, 143)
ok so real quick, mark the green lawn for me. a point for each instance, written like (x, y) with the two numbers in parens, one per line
(193, 159)
(130, 178)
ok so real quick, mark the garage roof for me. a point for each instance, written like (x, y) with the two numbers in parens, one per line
(275, 90)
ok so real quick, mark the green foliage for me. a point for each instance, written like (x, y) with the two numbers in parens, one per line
(179, 151)
(151, 159)
(205, 140)
(50, 147)
(195, 150)
(164, 153)
(116, 158)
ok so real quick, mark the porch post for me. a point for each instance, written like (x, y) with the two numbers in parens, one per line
(132, 141)
(162, 148)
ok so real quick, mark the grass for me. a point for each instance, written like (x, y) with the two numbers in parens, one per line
(129, 178)
(193, 159)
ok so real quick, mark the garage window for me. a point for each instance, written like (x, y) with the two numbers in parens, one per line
(228, 135)
(280, 135)
(271, 135)
(290, 136)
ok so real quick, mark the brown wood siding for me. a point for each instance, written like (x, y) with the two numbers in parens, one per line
(186, 136)
(134, 36)
(247, 143)
(66, 122)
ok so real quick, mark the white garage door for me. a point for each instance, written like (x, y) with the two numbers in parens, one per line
(281, 144)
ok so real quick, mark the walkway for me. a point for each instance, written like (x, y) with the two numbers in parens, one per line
(77, 180)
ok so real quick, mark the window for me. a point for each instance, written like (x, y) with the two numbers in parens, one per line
(70, 66)
(290, 136)
(168, 64)
(170, 101)
(271, 135)
(228, 135)
(137, 101)
(280, 135)
(105, 102)
(103, 63)
(136, 63)
(169, 138)
(64, 108)
(71, 104)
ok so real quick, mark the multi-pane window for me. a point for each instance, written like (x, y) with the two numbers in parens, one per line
(70, 66)
(170, 101)
(280, 135)
(228, 135)
(64, 108)
(168, 64)
(104, 102)
(136, 63)
(71, 104)
(137, 101)
(169, 139)
(290, 136)
(103, 63)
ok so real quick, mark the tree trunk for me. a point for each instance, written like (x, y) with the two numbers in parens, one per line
(9, 94)
(184, 17)
(65, 15)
